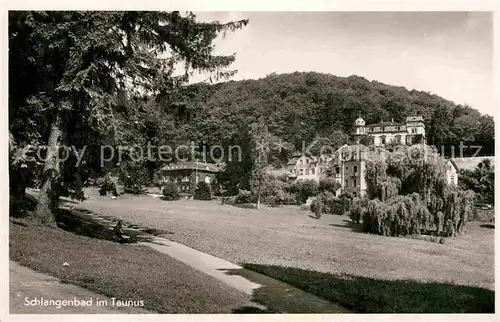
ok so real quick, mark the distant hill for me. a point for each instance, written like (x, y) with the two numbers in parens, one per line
(302, 106)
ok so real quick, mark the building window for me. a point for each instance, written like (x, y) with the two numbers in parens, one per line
(337, 170)
(382, 139)
(347, 183)
(355, 156)
(313, 171)
(354, 183)
(355, 169)
(346, 168)
(413, 130)
(301, 171)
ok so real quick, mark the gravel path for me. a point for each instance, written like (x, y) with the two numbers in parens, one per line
(288, 236)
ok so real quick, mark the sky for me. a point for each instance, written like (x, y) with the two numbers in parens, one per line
(449, 54)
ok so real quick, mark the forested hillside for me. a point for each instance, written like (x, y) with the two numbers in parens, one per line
(303, 106)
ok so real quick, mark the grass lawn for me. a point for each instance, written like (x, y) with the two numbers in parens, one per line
(385, 274)
(126, 272)
(289, 237)
(368, 295)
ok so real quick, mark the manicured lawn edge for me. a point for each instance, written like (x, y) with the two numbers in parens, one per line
(126, 272)
(368, 295)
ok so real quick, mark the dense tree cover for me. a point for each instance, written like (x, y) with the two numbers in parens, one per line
(304, 106)
(481, 180)
(409, 194)
(72, 75)
(94, 78)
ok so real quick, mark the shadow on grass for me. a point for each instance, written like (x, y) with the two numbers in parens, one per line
(243, 205)
(274, 296)
(490, 226)
(81, 222)
(349, 225)
(368, 295)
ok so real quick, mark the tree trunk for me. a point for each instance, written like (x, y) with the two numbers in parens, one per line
(48, 199)
(258, 201)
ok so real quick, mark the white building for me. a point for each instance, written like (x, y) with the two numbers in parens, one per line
(410, 132)
(302, 167)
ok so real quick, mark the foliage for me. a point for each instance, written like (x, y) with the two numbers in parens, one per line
(170, 191)
(244, 197)
(481, 180)
(329, 184)
(304, 189)
(304, 106)
(133, 174)
(410, 195)
(402, 215)
(84, 74)
(318, 207)
(107, 186)
(289, 199)
(365, 139)
(203, 191)
(157, 180)
(357, 210)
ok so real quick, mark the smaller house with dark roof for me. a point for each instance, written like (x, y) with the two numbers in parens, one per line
(188, 174)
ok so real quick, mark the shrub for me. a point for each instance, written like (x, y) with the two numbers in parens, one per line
(170, 191)
(273, 191)
(328, 200)
(304, 189)
(345, 202)
(289, 199)
(133, 174)
(245, 196)
(402, 215)
(357, 209)
(458, 209)
(107, 186)
(317, 207)
(157, 180)
(329, 184)
(203, 191)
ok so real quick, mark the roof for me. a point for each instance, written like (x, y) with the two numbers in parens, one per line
(189, 165)
(355, 147)
(386, 124)
(414, 118)
(293, 161)
(470, 163)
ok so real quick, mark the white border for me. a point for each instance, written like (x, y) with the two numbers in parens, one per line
(230, 5)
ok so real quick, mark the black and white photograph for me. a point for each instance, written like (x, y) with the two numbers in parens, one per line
(250, 162)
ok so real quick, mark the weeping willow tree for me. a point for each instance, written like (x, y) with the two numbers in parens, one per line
(410, 195)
